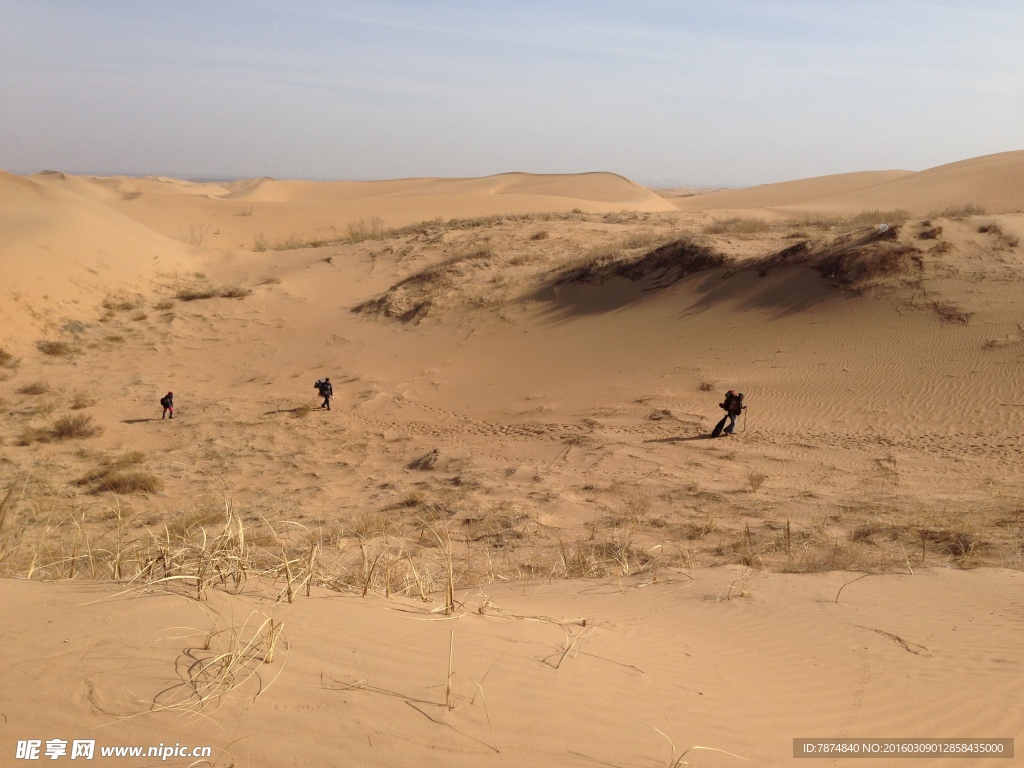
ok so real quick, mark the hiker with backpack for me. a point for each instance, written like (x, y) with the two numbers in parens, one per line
(323, 386)
(733, 407)
(167, 401)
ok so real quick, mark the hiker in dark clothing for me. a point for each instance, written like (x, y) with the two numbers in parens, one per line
(167, 401)
(326, 392)
(733, 407)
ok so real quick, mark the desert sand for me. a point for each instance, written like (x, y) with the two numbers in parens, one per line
(511, 541)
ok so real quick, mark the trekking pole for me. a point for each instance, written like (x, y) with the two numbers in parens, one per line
(744, 418)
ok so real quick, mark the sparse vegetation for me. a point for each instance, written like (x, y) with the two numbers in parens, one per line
(949, 312)
(34, 388)
(55, 348)
(122, 302)
(196, 234)
(737, 225)
(207, 291)
(960, 211)
(121, 476)
(7, 360)
(82, 400)
(65, 428)
(363, 229)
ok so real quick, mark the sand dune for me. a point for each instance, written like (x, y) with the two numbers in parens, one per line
(63, 252)
(789, 192)
(237, 214)
(994, 183)
(521, 418)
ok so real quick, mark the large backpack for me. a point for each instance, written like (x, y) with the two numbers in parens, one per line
(164, 403)
(319, 386)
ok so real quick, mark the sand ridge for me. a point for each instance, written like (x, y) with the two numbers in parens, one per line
(994, 183)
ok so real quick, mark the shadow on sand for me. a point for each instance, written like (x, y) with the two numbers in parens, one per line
(681, 439)
(138, 421)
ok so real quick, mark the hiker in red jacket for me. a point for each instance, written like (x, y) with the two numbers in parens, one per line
(167, 401)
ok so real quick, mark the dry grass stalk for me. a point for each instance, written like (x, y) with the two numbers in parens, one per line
(449, 698)
(230, 658)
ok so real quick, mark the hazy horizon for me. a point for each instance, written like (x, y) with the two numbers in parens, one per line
(729, 93)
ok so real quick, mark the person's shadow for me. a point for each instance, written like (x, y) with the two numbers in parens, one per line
(137, 421)
(679, 439)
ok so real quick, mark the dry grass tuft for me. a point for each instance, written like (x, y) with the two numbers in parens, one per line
(206, 291)
(75, 427)
(7, 360)
(81, 400)
(233, 292)
(1003, 240)
(737, 225)
(35, 388)
(121, 476)
(65, 428)
(755, 480)
(362, 230)
(961, 211)
(949, 312)
(55, 348)
(122, 302)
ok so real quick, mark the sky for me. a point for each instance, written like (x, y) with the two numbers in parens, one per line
(700, 93)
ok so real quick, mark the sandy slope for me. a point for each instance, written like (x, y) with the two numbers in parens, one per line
(993, 182)
(63, 251)
(566, 401)
(741, 664)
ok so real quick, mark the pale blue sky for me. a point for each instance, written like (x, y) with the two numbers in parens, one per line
(731, 92)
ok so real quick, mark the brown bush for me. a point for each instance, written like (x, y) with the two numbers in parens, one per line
(75, 427)
(55, 348)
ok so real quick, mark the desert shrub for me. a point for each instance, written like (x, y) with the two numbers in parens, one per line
(260, 243)
(7, 360)
(164, 305)
(75, 427)
(82, 400)
(949, 312)
(130, 482)
(540, 234)
(196, 234)
(120, 476)
(870, 218)
(960, 211)
(35, 388)
(755, 480)
(55, 348)
(737, 225)
(206, 291)
(361, 230)
(195, 293)
(122, 302)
